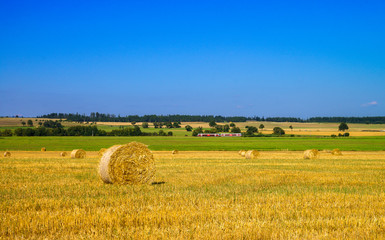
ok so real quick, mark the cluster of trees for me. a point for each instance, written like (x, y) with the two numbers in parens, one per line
(81, 131)
(215, 128)
(6, 133)
(60, 131)
(167, 124)
(101, 117)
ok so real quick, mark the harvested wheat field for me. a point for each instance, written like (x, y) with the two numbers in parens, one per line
(196, 195)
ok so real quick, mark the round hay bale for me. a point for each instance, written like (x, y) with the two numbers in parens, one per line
(175, 152)
(336, 152)
(63, 154)
(252, 154)
(102, 151)
(242, 152)
(132, 163)
(43, 149)
(78, 153)
(7, 154)
(311, 154)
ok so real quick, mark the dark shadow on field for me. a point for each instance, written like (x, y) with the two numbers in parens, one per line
(157, 183)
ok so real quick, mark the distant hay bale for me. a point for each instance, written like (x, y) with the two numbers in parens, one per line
(336, 152)
(175, 152)
(102, 151)
(132, 163)
(7, 154)
(78, 153)
(242, 153)
(63, 154)
(252, 154)
(43, 149)
(311, 154)
(327, 151)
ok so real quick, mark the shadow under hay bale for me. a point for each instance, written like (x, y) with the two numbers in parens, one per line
(252, 154)
(63, 154)
(132, 163)
(174, 152)
(158, 183)
(43, 149)
(336, 152)
(311, 154)
(78, 153)
(7, 154)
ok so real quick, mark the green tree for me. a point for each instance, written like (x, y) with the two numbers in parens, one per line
(176, 124)
(30, 123)
(197, 130)
(278, 131)
(212, 123)
(291, 127)
(226, 128)
(343, 126)
(235, 130)
(261, 126)
(188, 128)
(23, 123)
(133, 123)
(144, 125)
(232, 125)
(251, 129)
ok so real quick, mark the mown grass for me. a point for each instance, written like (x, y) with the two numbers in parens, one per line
(195, 143)
(206, 195)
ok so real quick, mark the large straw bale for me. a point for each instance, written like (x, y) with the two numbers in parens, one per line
(311, 154)
(63, 154)
(252, 154)
(175, 152)
(43, 149)
(78, 153)
(336, 152)
(7, 154)
(132, 163)
(102, 151)
(242, 153)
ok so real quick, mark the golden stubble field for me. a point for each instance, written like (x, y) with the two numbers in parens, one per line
(205, 195)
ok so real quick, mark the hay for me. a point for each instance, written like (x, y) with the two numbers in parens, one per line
(252, 154)
(242, 153)
(311, 154)
(132, 163)
(63, 154)
(7, 154)
(102, 151)
(43, 149)
(78, 153)
(336, 152)
(175, 152)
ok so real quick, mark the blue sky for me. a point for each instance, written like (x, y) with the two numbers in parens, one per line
(249, 58)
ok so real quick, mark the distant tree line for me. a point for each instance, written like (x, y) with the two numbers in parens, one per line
(367, 120)
(101, 117)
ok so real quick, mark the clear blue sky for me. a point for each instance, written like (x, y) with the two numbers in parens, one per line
(249, 58)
